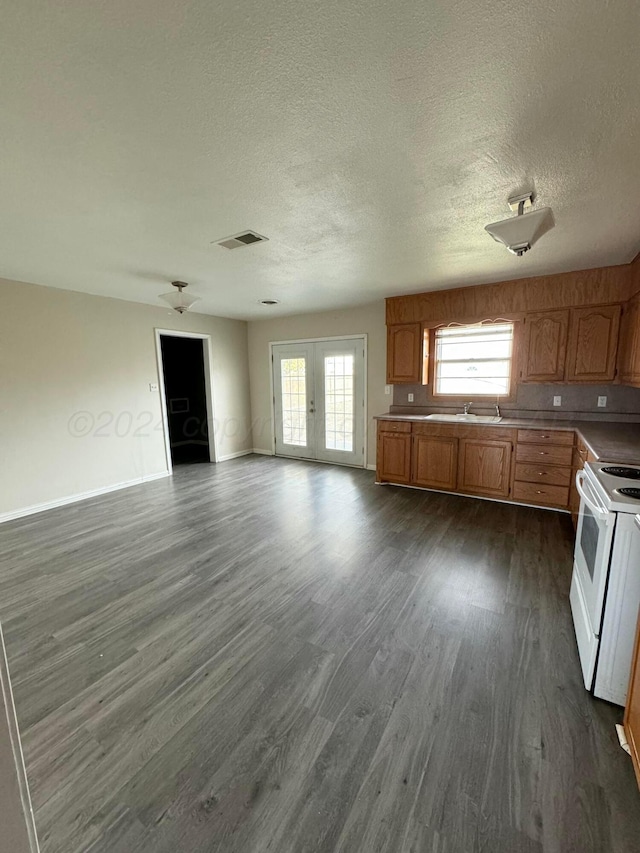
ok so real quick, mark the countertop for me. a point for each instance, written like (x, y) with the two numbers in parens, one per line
(608, 441)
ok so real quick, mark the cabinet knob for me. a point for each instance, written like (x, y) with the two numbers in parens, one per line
(539, 492)
(542, 473)
(543, 453)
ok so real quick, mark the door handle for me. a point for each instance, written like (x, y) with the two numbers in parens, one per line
(599, 511)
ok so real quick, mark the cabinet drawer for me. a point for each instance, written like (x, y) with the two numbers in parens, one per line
(539, 493)
(543, 474)
(549, 454)
(394, 426)
(545, 436)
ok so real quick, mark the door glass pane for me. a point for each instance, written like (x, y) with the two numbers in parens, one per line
(294, 401)
(338, 402)
(589, 538)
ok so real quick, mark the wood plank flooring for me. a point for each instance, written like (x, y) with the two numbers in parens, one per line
(272, 655)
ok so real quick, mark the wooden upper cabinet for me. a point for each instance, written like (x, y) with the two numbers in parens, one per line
(404, 353)
(434, 462)
(485, 467)
(629, 351)
(545, 346)
(593, 344)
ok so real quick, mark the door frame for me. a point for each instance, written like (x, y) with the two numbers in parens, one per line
(359, 337)
(15, 799)
(207, 358)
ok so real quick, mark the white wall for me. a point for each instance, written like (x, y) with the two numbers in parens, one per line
(63, 353)
(369, 319)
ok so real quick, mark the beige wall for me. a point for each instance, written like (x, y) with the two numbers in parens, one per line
(62, 353)
(367, 319)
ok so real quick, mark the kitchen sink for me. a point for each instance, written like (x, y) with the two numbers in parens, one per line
(474, 419)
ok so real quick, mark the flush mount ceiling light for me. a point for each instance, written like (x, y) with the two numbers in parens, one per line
(178, 300)
(520, 232)
(269, 301)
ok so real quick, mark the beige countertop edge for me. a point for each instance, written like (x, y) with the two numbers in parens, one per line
(609, 441)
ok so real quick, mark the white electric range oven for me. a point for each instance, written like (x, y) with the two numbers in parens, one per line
(605, 586)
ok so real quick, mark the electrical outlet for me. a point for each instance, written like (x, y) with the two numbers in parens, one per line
(602, 402)
(557, 401)
(153, 386)
(387, 389)
(410, 398)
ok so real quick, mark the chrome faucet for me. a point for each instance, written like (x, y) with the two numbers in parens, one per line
(498, 415)
(467, 406)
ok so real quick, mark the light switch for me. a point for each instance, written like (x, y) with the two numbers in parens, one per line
(602, 402)
(410, 398)
(153, 386)
(388, 389)
(557, 401)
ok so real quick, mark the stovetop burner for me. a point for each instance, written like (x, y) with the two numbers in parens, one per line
(629, 492)
(620, 471)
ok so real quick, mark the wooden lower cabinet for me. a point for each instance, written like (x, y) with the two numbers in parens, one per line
(478, 461)
(394, 457)
(485, 467)
(581, 454)
(632, 711)
(543, 471)
(434, 462)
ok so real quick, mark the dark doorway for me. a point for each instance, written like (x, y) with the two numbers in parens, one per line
(184, 389)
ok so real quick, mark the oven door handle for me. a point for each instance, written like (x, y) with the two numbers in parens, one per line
(599, 511)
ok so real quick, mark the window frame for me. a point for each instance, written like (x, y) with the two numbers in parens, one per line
(485, 399)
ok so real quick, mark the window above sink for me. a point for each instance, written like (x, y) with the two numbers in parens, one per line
(473, 361)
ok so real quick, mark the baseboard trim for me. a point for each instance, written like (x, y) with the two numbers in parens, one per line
(81, 496)
(262, 452)
(235, 455)
(371, 467)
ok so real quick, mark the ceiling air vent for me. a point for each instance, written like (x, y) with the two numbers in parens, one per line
(246, 238)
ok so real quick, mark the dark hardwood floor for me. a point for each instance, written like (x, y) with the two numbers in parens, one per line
(271, 655)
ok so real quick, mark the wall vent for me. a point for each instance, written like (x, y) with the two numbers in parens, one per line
(245, 238)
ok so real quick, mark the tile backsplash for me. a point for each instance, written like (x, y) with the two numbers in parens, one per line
(623, 403)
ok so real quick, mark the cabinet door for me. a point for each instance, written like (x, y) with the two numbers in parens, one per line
(484, 467)
(632, 711)
(434, 462)
(394, 457)
(404, 353)
(593, 344)
(545, 346)
(629, 352)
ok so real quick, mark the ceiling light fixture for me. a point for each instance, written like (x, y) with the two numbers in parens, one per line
(269, 301)
(520, 232)
(178, 300)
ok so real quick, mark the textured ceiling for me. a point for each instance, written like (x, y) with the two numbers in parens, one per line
(370, 141)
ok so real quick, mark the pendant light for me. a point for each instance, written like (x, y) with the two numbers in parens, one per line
(177, 299)
(520, 232)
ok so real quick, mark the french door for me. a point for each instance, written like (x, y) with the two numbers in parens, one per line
(319, 400)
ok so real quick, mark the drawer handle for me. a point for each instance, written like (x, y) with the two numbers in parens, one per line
(542, 473)
(540, 492)
(543, 453)
(544, 436)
